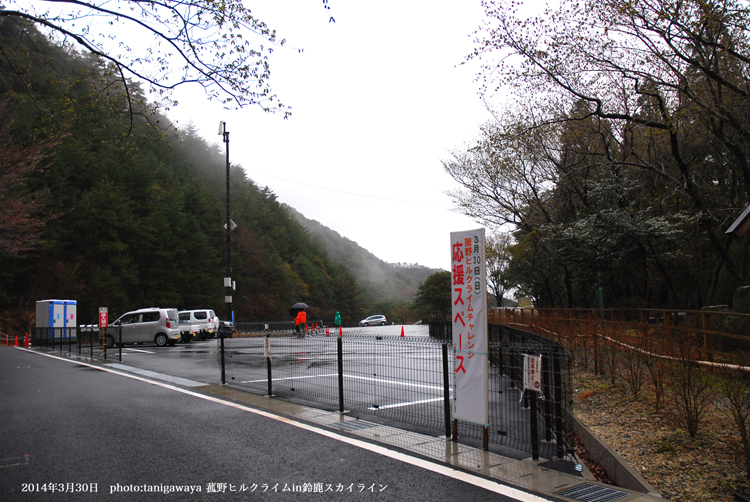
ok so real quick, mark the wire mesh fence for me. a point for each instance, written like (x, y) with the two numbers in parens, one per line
(82, 340)
(393, 379)
(409, 380)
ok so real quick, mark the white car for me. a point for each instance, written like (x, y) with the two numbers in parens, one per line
(374, 320)
(198, 324)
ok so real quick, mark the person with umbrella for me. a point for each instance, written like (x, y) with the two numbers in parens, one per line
(300, 316)
(300, 321)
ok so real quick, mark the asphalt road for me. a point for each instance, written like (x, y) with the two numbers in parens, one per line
(72, 431)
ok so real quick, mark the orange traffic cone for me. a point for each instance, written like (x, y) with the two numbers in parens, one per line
(16, 344)
(328, 331)
(402, 331)
(341, 331)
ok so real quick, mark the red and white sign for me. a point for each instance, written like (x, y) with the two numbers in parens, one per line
(469, 315)
(103, 317)
(532, 372)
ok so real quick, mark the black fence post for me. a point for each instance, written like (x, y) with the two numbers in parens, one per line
(500, 362)
(558, 403)
(340, 354)
(534, 424)
(446, 392)
(91, 342)
(546, 391)
(119, 343)
(79, 341)
(223, 370)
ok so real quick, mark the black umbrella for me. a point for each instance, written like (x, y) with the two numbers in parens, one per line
(301, 306)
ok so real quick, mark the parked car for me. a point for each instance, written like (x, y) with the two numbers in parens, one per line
(199, 324)
(374, 320)
(148, 325)
(226, 329)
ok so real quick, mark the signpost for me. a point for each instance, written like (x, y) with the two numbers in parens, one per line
(103, 323)
(103, 317)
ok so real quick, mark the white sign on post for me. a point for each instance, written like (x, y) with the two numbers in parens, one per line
(267, 347)
(532, 372)
(469, 315)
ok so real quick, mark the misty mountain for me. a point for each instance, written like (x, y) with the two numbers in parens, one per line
(380, 280)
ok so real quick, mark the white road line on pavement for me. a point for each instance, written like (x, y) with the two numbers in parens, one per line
(289, 378)
(410, 403)
(445, 470)
(395, 382)
(129, 349)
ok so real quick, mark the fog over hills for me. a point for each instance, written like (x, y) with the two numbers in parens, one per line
(381, 281)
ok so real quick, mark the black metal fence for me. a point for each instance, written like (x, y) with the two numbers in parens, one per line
(408, 380)
(82, 340)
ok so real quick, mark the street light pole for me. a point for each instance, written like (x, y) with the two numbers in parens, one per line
(228, 278)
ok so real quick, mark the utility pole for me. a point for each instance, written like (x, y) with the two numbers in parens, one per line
(228, 283)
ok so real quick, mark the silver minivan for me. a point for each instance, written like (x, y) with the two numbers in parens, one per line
(150, 325)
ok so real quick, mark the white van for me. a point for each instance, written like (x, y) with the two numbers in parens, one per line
(198, 324)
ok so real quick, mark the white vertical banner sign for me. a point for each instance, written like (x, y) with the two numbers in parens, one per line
(470, 340)
(532, 372)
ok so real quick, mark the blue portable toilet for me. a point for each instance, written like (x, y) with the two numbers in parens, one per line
(61, 314)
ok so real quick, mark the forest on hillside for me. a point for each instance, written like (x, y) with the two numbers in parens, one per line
(620, 153)
(110, 205)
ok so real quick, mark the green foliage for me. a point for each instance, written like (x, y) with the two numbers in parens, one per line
(139, 208)
(433, 300)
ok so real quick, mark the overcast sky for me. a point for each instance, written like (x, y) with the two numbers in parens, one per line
(378, 99)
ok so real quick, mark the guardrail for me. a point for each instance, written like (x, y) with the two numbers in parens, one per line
(284, 327)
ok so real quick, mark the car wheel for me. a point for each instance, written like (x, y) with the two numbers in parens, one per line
(161, 340)
(382, 323)
(109, 341)
(366, 324)
(186, 336)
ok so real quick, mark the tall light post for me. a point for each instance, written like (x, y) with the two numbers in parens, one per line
(228, 283)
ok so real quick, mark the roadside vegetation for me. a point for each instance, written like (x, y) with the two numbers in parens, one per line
(619, 152)
(678, 413)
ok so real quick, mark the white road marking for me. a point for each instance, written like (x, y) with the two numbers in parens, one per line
(410, 403)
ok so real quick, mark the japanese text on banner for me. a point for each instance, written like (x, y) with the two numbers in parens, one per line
(469, 318)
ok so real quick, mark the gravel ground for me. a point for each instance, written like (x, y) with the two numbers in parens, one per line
(708, 467)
